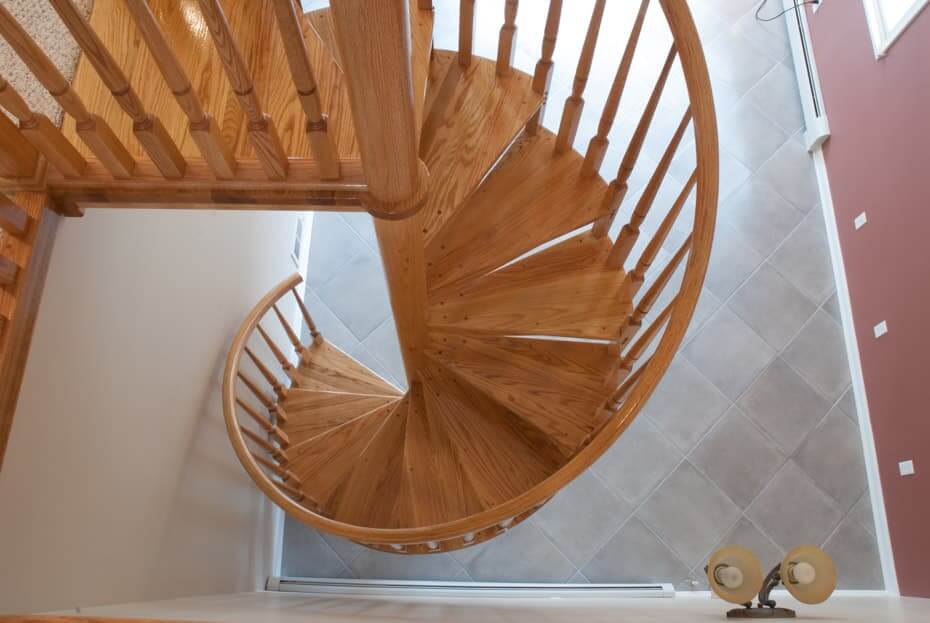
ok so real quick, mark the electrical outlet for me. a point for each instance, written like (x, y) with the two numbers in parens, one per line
(860, 220)
(880, 329)
(906, 468)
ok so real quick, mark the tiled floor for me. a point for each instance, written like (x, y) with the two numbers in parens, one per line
(755, 418)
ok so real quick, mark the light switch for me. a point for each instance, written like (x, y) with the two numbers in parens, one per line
(860, 220)
(906, 468)
(880, 329)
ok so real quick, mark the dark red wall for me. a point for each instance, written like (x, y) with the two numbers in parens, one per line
(878, 161)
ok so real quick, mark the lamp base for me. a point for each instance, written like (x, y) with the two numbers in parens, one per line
(760, 612)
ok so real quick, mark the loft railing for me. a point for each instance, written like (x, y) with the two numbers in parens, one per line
(101, 168)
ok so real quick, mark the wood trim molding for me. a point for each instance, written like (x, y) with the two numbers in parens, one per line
(16, 335)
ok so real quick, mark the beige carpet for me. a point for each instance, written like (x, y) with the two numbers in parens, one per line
(40, 20)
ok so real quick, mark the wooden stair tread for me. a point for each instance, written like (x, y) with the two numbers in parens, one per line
(369, 492)
(256, 32)
(556, 386)
(473, 115)
(326, 368)
(565, 290)
(499, 459)
(528, 199)
(437, 482)
(322, 463)
(311, 413)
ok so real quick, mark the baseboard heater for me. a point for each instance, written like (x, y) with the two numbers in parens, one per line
(469, 589)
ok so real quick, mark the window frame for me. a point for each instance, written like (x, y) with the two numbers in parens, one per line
(882, 37)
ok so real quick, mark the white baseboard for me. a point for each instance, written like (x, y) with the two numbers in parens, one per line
(412, 588)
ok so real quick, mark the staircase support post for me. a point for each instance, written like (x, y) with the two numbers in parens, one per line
(402, 250)
(374, 38)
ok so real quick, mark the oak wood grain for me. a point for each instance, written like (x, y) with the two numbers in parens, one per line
(565, 290)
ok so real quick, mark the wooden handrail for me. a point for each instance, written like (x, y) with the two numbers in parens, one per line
(574, 105)
(147, 128)
(376, 50)
(262, 132)
(675, 322)
(298, 58)
(93, 130)
(630, 232)
(203, 128)
(619, 186)
(506, 44)
(42, 133)
(598, 145)
(542, 76)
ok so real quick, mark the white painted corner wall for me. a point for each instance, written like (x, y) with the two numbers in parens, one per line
(119, 483)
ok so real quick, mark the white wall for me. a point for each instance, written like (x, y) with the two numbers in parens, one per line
(119, 482)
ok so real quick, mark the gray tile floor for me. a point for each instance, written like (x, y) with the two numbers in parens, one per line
(755, 418)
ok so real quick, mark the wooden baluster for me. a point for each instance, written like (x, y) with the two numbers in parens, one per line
(281, 472)
(543, 74)
(264, 444)
(635, 278)
(634, 321)
(617, 398)
(466, 31)
(617, 189)
(204, 129)
(298, 57)
(42, 133)
(263, 135)
(263, 398)
(574, 105)
(13, 219)
(265, 423)
(506, 44)
(279, 389)
(285, 364)
(426, 5)
(375, 43)
(640, 345)
(311, 326)
(18, 158)
(296, 494)
(598, 145)
(630, 232)
(291, 334)
(93, 130)
(147, 128)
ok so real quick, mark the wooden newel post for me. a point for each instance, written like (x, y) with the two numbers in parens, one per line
(375, 44)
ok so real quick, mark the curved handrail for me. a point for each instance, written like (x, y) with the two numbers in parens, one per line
(637, 390)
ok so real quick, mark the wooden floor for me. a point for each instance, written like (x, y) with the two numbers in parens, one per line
(284, 608)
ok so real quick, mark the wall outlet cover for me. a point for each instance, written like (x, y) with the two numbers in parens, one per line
(906, 468)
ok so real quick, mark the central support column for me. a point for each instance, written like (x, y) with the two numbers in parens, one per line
(402, 251)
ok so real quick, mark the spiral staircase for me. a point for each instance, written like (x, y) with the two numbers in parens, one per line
(531, 338)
